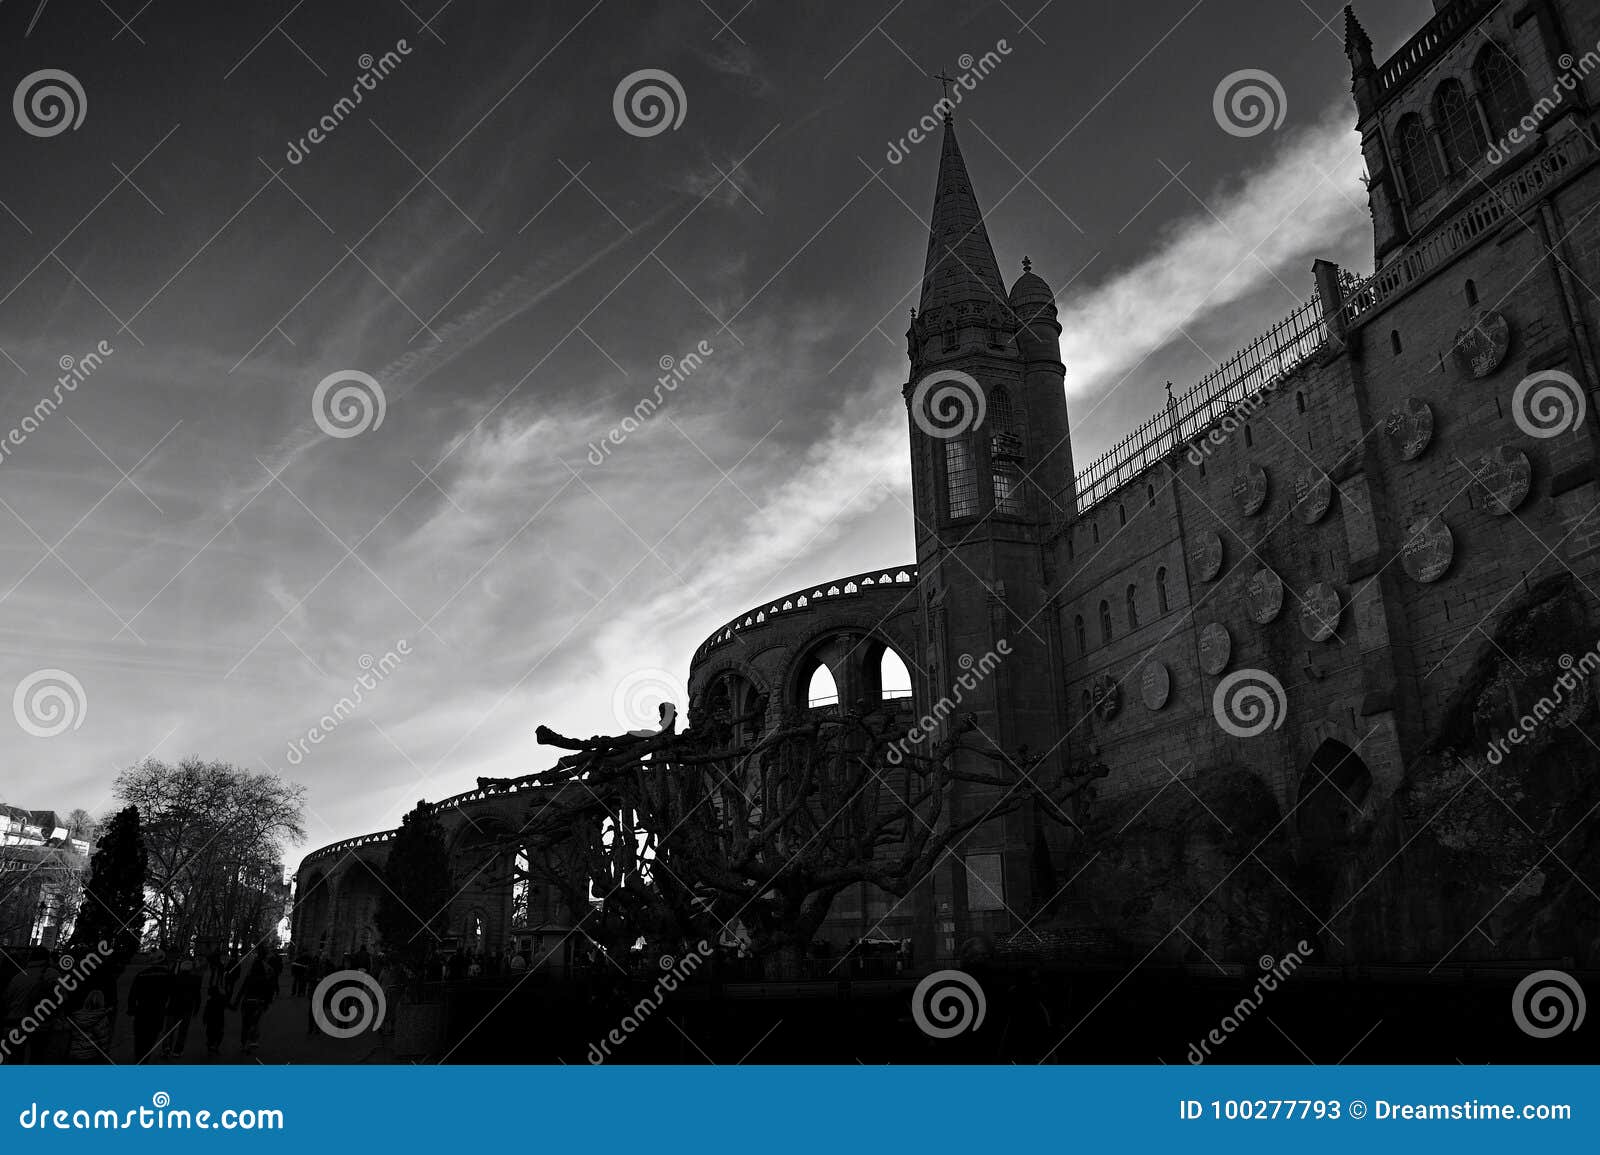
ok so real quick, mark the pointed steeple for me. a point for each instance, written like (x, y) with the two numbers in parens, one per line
(961, 267)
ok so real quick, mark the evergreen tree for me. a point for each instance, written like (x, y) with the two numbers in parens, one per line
(113, 898)
(414, 908)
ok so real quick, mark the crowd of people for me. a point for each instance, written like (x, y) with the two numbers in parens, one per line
(48, 1015)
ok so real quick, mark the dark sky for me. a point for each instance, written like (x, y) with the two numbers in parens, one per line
(482, 238)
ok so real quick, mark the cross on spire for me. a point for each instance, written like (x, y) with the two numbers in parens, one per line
(946, 82)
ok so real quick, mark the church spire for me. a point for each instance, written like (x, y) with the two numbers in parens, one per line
(961, 267)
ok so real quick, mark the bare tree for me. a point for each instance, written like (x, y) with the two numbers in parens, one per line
(688, 835)
(216, 837)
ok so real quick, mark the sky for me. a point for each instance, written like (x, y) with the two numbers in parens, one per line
(490, 261)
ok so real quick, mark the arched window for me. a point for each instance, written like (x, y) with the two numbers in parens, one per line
(1463, 136)
(1500, 87)
(1161, 589)
(1072, 552)
(1001, 418)
(1249, 438)
(961, 489)
(821, 690)
(1150, 491)
(1394, 341)
(950, 341)
(1133, 607)
(1299, 402)
(1005, 450)
(1094, 528)
(1105, 622)
(894, 680)
(1122, 514)
(521, 890)
(1471, 292)
(1419, 167)
(1081, 633)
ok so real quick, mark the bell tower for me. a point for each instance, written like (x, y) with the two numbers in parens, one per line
(991, 479)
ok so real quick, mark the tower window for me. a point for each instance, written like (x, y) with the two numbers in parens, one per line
(1458, 124)
(950, 341)
(1500, 88)
(1105, 623)
(1133, 607)
(1007, 489)
(1471, 292)
(1081, 634)
(1419, 166)
(1161, 590)
(961, 490)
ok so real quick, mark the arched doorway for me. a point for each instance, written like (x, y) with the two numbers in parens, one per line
(1333, 793)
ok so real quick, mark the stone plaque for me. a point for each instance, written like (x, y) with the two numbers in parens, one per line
(1216, 647)
(1313, 493)
(1155, 686)
(1319, 612)
(1502, 477)
(1250, 489)
(1428, 550)
(1107, 696)
(1410, 428)
(1481, 346)
(1264, 595)
(1206, 555)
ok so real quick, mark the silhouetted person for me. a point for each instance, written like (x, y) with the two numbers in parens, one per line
(254, 995)
(147, 1004)
(183, 1000)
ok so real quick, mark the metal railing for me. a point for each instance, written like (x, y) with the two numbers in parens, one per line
(1260, 364)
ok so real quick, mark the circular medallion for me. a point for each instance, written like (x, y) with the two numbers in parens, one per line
(1250, 489)
(1155, 685)
(1264, 595)
(1428, 549)
(1481, 346)
(1313, 493)
(1319, 612)
(1410, 428)
(1503, 476)
(1206, 555)
(1216, 647)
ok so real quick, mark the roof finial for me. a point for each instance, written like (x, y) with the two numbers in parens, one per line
(946, 82)
(1027, 265)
